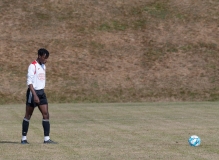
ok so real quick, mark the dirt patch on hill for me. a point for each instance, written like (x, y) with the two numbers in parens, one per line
(112, 51)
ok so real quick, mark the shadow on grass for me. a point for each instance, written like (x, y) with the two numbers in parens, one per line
(10, 142)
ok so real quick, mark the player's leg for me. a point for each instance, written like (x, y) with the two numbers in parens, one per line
(45, 122)
(43, 107)
(28, 113)
(25, 123)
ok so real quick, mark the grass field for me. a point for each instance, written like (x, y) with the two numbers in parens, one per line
(150, 131)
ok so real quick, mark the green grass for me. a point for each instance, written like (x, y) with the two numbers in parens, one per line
(114, 131)
(157, 9)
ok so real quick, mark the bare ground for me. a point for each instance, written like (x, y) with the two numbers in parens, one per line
(112, 51)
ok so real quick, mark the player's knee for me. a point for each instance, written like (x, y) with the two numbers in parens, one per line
(46, 115)
(28, 116)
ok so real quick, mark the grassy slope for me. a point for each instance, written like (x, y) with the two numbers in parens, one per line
(112, 51)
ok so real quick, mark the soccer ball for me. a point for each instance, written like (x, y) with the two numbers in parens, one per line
(194, 141)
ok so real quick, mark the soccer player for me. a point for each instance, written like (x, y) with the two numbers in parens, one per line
(35, 96)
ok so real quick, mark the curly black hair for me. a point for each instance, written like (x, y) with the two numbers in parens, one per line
(43, 51)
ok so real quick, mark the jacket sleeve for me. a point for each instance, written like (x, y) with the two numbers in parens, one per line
(30, 74)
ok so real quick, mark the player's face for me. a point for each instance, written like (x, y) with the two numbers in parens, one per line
(43, 59)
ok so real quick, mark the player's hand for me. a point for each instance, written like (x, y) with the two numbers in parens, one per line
(36, 99)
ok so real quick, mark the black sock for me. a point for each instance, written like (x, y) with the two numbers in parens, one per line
(25, 126)
(46, 127)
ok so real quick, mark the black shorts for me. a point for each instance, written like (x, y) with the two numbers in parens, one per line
(30, 98)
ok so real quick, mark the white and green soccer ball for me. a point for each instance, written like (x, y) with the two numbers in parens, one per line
(194, 140)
